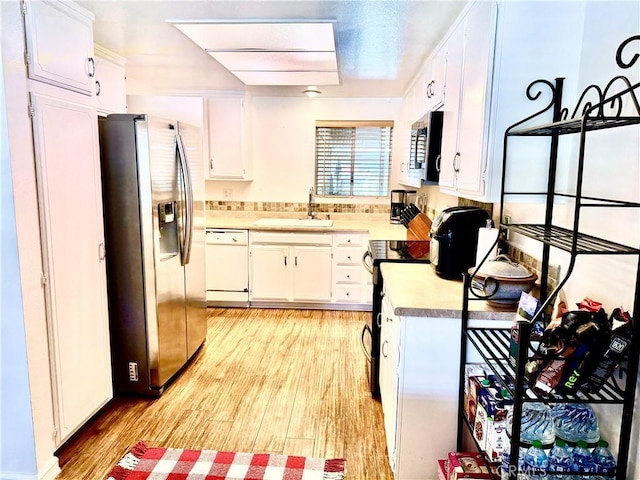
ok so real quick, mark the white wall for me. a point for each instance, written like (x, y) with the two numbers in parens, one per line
(17, 445)
(283, 144)
(180, 108)
(27, 229)
(612, 169)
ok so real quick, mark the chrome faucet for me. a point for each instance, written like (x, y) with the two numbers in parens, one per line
(310, 212)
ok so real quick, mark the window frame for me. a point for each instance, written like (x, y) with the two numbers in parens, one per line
(354, 125)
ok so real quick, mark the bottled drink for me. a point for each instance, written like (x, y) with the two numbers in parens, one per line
(559, 460)
(582, 459)
(603, 459)
(505, 467)
(536, 462)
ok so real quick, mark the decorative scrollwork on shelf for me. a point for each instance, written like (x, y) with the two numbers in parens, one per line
(534, 91)
(597, 102)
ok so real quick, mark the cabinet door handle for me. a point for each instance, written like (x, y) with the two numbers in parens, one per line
(296, 260)
(285, 260)
(211, 164)
(92, 63)
(401, 167)
(379, 320)
(456, 167)
(97, 88)
(348, 276)
(438, 160)
(102, 251)
(384, 354)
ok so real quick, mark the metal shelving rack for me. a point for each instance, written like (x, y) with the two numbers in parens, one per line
(493, 344)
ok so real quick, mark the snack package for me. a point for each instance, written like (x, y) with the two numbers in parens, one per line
(527, 308)
(442, 470)
(617, 348)
(468, 466)
(570, 348)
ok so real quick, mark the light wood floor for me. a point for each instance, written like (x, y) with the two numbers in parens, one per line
(280, 381)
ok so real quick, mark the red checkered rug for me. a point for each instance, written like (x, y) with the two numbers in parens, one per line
(150, 463)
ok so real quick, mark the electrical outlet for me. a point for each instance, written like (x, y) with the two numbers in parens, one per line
(506, 220)
(227, 194)
(133, 372)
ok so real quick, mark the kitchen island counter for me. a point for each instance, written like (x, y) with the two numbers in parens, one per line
(415, 290)
(377, 225)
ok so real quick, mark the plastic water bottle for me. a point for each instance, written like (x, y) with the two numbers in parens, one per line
(536, 463)
(505, 467)
(560, 460)
(603, 459)
(582, 459)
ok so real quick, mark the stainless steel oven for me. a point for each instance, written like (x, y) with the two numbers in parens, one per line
(380, 251)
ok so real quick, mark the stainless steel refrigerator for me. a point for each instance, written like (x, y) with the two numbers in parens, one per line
(154, 207)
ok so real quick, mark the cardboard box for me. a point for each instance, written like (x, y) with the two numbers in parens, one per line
(442, 470)
(472, 398)
(467, 466)
(480, 426)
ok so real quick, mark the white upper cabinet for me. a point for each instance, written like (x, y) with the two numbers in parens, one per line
(110, 85)
(493, 55)
(470, 57)
(60, 44)
(228, 126)
(435, 79)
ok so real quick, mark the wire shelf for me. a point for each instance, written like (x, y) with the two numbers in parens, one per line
(563, 239)
(493, 345)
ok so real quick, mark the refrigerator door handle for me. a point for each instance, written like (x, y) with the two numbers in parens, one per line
(186, 178)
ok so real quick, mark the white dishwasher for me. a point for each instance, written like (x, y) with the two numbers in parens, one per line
(227, 267)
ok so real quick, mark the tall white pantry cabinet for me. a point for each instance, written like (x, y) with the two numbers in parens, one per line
(63, 108)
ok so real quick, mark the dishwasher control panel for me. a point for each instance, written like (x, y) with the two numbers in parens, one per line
(227, 237)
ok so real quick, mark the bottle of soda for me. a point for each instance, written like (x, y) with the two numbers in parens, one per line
(536, 463)
(559, 460)
(582, 459)
(604, 461)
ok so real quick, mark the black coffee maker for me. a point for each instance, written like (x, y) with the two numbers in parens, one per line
(399, 200)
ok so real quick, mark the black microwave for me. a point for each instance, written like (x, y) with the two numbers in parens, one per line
(426, 144)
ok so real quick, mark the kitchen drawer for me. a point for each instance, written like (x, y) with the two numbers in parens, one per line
(348, 239)
(347, 256)
(291, 238)
(347, 293)
(347, 274)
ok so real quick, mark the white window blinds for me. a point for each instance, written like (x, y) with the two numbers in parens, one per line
(353, 159)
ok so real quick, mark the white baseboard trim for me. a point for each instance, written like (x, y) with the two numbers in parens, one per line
(51, 470)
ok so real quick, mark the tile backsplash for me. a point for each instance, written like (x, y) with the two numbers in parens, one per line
(297, 207)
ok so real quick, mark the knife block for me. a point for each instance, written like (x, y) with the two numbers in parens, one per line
(419, 228)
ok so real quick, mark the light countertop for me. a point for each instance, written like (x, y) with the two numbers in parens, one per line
(377, 225)
(415, 290)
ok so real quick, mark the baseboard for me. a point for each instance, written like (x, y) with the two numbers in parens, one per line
(50, 472)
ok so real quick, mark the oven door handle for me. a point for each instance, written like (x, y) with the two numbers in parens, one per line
(366, 329)
(367, 265)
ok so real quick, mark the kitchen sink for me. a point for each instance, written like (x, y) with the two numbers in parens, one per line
(292, 222)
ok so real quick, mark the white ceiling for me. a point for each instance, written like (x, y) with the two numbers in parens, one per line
(380, 44)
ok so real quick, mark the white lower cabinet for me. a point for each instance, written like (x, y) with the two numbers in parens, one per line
(389, 379)
(351, 282)
(290, 267)
(419, 365)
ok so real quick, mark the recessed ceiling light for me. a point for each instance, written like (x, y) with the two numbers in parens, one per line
(312, 92)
